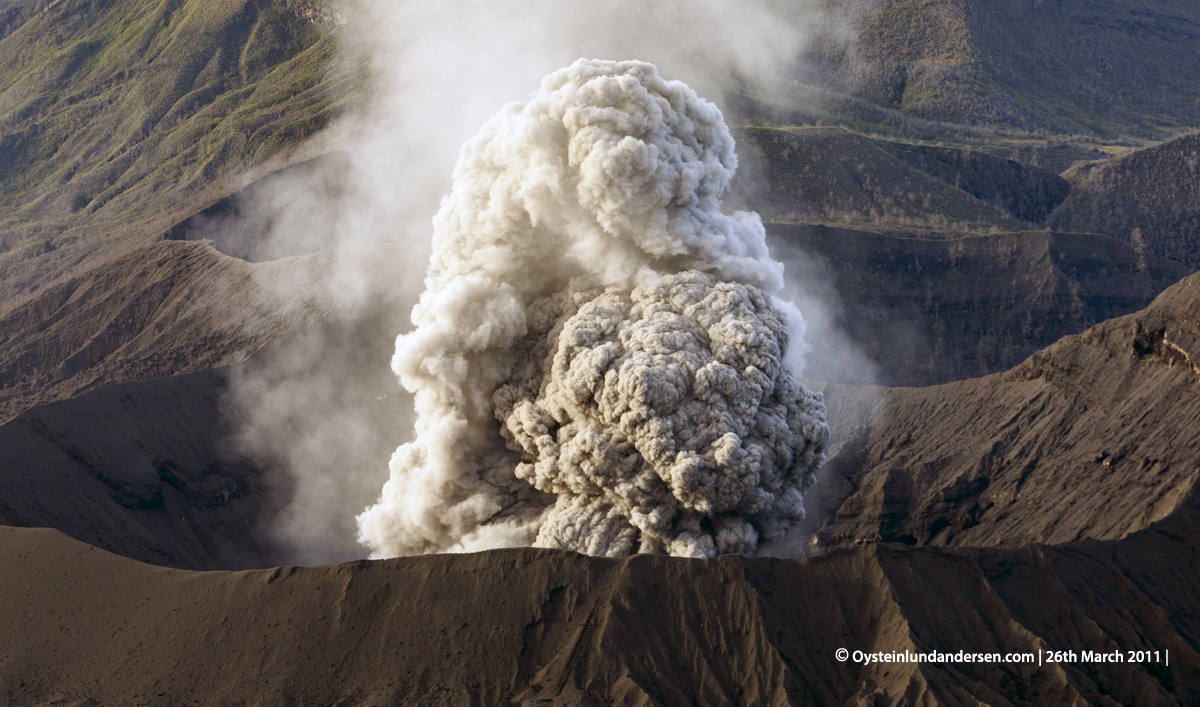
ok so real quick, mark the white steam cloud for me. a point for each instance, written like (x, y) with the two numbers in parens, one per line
(322, 409)
(599, 363)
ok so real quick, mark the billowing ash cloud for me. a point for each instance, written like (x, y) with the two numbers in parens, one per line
(598, 361)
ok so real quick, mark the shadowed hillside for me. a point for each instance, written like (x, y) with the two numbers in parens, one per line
(832, 175)
(142, 469)
(932, 310)
(176, 307)
(1093, 437)
(1149, 198)
(171, 471)
(1018, 190)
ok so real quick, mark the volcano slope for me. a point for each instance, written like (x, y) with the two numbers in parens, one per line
(1093, 437)
(932, 310)
(122, 429)
(118, 119)
(545, 627)
(117, 419)
(1014, 63)
(1070, 553)
(1149, 198)
(835, 176)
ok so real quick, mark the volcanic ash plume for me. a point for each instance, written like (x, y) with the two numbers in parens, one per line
(598, 361)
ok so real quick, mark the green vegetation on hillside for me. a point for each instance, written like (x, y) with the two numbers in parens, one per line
(835, 176)
(118, 118)
(1149, 198)
(1103, 67)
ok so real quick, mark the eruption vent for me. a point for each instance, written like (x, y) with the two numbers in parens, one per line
(598, 359)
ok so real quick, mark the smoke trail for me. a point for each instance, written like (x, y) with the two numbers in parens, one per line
(598, 362)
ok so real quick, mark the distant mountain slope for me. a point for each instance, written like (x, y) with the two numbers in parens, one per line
(1149, 198)
(834, 176)
(1018, 190)
(932, 310)
(119, 118)
(1093, 437)
(177, 307)
(536, 627)
(1101, 66)
(168, 308)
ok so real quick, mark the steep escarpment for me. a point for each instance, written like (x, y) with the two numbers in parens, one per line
(1020, 190)
(932, 310)
(832, 175)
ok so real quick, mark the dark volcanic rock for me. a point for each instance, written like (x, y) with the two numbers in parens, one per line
(929, 311)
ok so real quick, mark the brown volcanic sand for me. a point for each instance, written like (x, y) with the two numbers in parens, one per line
(545, 627)
(156, 470)
(1096, 436)
(139, 469)
(530, 626)
(1004, 460)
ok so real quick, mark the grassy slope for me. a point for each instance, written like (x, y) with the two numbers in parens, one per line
(1107, 67)
(1097, 65)
(117, 118)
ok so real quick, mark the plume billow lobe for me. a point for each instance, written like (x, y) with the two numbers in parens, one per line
(599, 361)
